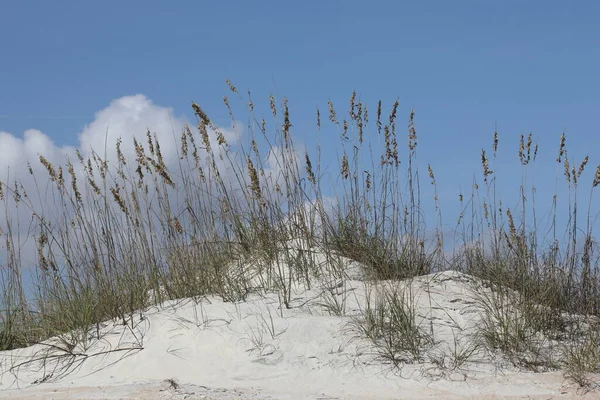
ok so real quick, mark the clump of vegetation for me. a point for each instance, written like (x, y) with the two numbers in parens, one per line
(390, 322)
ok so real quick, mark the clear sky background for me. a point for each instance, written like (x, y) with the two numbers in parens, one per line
(527, 66)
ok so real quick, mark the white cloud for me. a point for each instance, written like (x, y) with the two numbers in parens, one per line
(126, 117)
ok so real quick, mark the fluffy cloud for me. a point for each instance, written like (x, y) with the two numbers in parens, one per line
(128, 117)
(125, 118)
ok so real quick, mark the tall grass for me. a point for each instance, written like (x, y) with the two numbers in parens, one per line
(116, 234)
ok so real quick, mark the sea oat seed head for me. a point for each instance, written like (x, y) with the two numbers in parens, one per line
(567, 173)
(582, 166)
(412, 133)
(495, 145)
(594, 184)
(379, 117)
(318, 119)
(309, 170)
(345, 168)
(561, 149)
(431, 174)
(231, 87)
(332, 114)
(272, 105)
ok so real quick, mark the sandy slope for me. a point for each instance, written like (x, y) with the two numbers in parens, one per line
(256, 350)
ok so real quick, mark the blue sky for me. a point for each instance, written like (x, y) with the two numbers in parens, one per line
(527, 66)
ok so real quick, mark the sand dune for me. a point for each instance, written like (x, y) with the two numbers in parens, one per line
(210, 349)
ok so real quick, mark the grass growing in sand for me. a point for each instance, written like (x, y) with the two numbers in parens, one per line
(116, 235)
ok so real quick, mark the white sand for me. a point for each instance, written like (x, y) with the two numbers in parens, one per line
(256, 350)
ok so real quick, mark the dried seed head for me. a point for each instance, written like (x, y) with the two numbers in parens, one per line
(360, 132)
(529, 143)
(254, 182)
(177, 225)
(431, 174)
(16, 193)
(71, 171)
(90, 178)
(159, 156)
(393, 112)
(388, 145)
(221, 138)
(495, 145)
(412, 133)
(359, 121)
(318, 119)
(332, 114)
(567, 168)
(119, 200)
(120, 156)
(150, 144)
(395, 151)
(309, 170)
(200, 114)
(204, 136)
(102, 167)
(561, 149)
(272, 105)
(184, 145)
(140, 155)
(60, 181)
(594, 184)
(41, 242)
(231, 87)
(352, 105)
(582, 166)
(368, 181)
(379, 117)
(511, 223)
(263, 126)
(286, 121)
(49, 168)
(522, 149)
(485, 165)
(166, 177)
(226, 101)
(345, 168)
